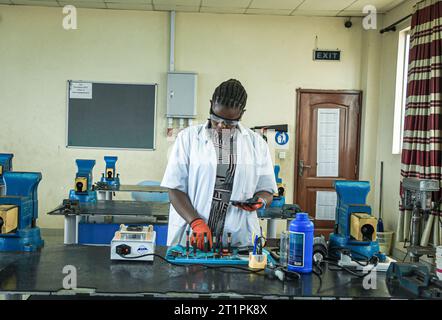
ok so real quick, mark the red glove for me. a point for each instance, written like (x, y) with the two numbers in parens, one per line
(253, 207)
(200, 227)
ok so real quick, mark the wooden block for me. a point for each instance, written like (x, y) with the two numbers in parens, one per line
(357, 221)
(9, 215)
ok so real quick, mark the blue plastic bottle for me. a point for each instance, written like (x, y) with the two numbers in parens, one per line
(300, 244)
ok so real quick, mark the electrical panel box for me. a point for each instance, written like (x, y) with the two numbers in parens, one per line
(181, 95)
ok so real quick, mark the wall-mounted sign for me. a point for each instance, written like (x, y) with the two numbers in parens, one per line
(327, 55)
(281, 138)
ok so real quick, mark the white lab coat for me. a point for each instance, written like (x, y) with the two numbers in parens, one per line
(192, 167)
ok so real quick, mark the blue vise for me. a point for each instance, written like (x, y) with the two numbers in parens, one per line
(110, 177)
(5, 166)
(19, 212)
(355, 227)
(83, 190)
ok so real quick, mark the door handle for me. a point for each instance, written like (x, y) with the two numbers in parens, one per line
(301, 167)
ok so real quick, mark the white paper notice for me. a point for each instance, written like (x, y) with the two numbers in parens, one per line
(80, 90)
(328, 143)
(325, 205)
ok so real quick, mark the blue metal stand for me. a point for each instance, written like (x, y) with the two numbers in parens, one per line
(352, 197)
(21, 190)
(110, 177)
(85, 168)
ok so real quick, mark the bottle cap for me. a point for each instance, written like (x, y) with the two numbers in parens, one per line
(301, 216)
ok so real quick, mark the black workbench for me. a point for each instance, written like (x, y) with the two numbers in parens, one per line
(42, 273)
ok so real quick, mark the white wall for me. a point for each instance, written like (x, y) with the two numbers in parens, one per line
(271, 55)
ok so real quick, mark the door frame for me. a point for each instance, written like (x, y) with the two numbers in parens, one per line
(297, 141)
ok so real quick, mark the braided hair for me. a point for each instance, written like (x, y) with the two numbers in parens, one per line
(231, 94)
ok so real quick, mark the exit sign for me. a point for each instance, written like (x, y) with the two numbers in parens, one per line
(327, 55)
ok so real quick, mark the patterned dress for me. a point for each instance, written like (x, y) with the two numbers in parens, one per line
(226, 152)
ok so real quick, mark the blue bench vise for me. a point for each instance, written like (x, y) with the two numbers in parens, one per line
(83, 190)
(5, 166)
(355, 228)
(19, 212)
(110, 177)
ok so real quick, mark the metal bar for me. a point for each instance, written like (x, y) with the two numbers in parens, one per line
(392, 27)
(117, 208)
(132, 188)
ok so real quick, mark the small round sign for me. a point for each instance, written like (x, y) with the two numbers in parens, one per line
(281, 138)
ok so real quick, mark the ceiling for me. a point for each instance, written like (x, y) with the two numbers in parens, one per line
(344, 8)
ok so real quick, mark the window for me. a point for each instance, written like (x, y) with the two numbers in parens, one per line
(401, 90)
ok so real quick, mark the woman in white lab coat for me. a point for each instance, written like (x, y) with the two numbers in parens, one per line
(211, 165)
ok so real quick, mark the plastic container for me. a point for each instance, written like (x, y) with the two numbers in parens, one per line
(385, 240)
(283, 248)
(300, 254)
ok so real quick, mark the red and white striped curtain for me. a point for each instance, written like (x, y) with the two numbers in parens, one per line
(422, 147)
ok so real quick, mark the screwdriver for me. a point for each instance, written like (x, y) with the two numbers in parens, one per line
(187, 243)
(206, 244)
(214, 245)
(220, 245)
(194, 244)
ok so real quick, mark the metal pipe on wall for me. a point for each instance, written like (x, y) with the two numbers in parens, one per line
(172, 42)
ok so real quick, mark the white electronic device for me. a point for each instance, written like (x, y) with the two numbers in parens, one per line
(346, 261)
(135, 243)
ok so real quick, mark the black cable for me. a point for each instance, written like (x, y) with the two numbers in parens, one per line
(359, 275)
(405, 258)
(319, 277)
(340, 249)
(193, 264)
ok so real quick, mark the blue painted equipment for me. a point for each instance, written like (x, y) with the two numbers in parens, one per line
(83, 182)
(355, 228)
(21, 197)
(414, 278)
(5, 166)
(110, 177)
(300, 244)
(178, 254)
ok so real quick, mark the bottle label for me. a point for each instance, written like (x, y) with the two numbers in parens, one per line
(297, 249)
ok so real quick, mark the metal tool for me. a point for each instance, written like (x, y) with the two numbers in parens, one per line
(380, 227)
(187, 243)
(417, 197)
(83, 190)
(355, 228)
(194, 244)
(206, 244)
(19, 212)
(414, 278)
(110, 177)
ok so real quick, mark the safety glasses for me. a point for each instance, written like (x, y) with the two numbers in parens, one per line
(218, 119)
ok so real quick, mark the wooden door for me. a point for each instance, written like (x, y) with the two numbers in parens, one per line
(327, 149)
